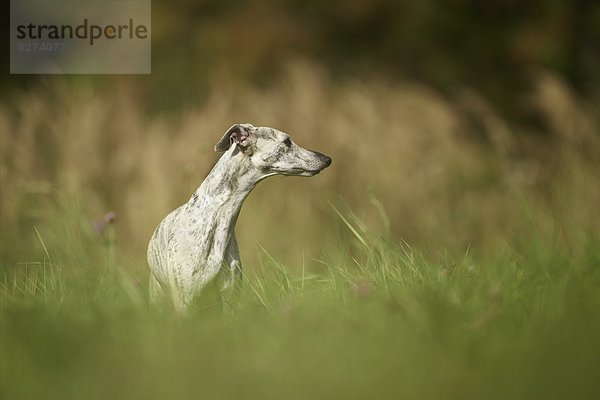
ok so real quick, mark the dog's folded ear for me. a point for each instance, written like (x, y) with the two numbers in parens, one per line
(238, 133)
(227, 139)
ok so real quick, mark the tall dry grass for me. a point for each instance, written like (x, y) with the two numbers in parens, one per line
(444, 172)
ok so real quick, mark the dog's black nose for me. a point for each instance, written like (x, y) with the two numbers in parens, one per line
(325, 159)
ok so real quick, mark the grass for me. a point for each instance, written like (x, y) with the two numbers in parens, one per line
(446, 168)
(375, 319)
(469, 268)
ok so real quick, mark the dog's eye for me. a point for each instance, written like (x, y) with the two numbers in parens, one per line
(287, 142)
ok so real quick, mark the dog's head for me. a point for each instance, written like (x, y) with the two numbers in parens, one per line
(272, 152)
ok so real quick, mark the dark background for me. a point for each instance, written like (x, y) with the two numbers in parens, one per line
(492, 45)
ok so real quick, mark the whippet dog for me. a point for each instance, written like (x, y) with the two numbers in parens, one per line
(196, 242)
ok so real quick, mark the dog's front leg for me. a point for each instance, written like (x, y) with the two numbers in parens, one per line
(232, 276)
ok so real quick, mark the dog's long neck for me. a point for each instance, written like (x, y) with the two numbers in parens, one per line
(218, 200)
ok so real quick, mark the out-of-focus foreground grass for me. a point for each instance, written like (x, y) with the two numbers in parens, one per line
(442, 254)
(386, 322)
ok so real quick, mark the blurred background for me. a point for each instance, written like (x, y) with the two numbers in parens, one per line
(452, 125)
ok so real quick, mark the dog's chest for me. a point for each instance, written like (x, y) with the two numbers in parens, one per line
(198, 245)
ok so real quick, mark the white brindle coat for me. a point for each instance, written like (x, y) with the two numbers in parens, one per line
(196, 242)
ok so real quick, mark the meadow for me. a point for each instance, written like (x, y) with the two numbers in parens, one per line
(447, 252)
